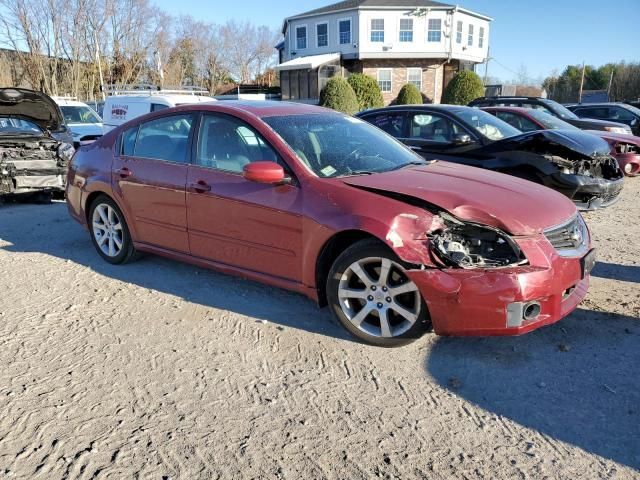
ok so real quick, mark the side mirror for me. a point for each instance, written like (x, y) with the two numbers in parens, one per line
(462, 139)
(264, 172)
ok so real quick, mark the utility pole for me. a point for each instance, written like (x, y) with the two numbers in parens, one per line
(609, 87)
(581, 83)
(486, 66)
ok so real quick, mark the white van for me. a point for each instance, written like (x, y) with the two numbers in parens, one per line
(83, 122)
(123, 105)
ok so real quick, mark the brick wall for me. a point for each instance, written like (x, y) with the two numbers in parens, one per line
(432, 75)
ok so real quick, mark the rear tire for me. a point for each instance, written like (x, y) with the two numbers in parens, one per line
(109, 232)
(372, 297)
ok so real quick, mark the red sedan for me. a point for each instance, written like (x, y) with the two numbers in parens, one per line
(625, 148)
(313, 201)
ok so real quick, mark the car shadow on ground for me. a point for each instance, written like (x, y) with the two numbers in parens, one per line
(48, 229)
(613, 271)
(576, 381)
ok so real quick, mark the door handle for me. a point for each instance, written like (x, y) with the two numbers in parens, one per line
(124, 172)
(200, 187)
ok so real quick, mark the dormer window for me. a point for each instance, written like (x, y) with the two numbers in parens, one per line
(434, 33)
(377, 30)
(301, 38)
(406, 29)
(344, 31)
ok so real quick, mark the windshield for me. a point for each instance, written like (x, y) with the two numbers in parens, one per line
(486, 124)
(560, 110)
(79, 114)
(12, 125)
(550, 122)
(333, 145)
(633, 109)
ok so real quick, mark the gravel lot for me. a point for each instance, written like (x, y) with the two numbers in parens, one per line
(162, 370)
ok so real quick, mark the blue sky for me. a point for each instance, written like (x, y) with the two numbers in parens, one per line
(541, 35)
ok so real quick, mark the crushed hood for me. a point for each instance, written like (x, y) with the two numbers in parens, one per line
(516, 206)
(573, 141)
(30, 105)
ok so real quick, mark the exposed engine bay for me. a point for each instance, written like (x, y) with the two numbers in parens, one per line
(30, 164)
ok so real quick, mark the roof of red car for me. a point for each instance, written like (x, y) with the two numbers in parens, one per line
(262, 108)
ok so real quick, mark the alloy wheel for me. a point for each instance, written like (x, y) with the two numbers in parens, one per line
(378, 298)
(107, 230)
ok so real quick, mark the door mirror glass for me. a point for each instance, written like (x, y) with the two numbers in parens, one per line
(462, 139)
(264, 172)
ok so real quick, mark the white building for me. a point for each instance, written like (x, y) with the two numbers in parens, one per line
(395, 41)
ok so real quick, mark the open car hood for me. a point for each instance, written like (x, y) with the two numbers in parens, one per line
(30, 105)
(570, 141)
(516, 206)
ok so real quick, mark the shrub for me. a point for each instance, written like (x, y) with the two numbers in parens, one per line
(463, 87)
(367, 91)
(339, 95)
(409, 95)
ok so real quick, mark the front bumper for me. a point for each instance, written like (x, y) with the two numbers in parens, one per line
(629, 163)
(482, 302)
(588, 193)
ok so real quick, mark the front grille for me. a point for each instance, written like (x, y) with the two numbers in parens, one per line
(569, 239)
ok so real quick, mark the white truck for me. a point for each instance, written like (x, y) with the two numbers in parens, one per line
(127, 102)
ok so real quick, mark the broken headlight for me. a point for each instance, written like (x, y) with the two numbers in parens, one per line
(66, 151)
(469, 245)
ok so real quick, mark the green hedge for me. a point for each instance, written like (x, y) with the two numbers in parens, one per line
(367, 91)
(409, 95)
(463, 87)
(339, 95)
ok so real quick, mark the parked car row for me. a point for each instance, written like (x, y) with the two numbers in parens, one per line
(382, 216)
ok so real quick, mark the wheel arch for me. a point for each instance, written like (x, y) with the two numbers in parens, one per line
(92, 196)
(331, 249)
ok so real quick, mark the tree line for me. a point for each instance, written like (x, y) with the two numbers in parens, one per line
(622, 80)
(62, 46)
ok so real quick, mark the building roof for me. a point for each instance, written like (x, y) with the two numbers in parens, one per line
(379, 4)
(309, 62)
(351, 4)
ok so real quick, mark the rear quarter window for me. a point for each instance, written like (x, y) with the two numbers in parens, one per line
(129, 141)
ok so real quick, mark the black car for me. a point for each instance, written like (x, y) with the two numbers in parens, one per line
(554, 108)
(615, 112)
(575, 163)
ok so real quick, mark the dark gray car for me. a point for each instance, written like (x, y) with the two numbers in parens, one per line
(553, 108)
(611, 111)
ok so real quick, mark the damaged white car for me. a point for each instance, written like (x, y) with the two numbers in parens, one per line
(32, 161)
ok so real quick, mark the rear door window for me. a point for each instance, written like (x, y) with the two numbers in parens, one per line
(165, 138)
(521, 123)
(392, 123)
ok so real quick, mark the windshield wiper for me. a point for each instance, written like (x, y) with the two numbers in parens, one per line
(354, 173)
(410, 164)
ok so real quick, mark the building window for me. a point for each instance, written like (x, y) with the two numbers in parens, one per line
(344, 30)
(301, 38)
(384, 79)
(470, 36)
(377, 30)
(459, 32)
(322, 34)
(414, 76)
(406, 29)
(434, 34)
(481, 37)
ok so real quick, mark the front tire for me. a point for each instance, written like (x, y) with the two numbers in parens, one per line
(109, 232)
(373, 298)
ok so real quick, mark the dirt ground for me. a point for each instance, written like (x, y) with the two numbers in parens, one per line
(160, 370)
